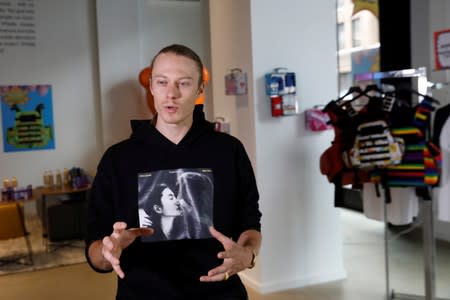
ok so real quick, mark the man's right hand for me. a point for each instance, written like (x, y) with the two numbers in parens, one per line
(120, 238)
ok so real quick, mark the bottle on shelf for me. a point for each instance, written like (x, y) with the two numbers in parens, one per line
(6, 183)
(66, 176)
(58, 178)
(14, 183)
(51, 180)
(45, 179)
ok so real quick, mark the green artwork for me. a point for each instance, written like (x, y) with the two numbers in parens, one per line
(27, 118)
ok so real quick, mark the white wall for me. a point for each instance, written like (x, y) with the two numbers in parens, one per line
(426, 18)
(299, 224)
(162, 23)
(130, 33)
(119, 65)
(65, 58)
(167, 22)
(439, 13)
(231, 47)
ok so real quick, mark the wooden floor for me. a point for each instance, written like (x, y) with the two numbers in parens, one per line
(80, 282)
(364, 262)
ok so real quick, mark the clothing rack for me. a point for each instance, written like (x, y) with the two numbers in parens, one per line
(426, 205)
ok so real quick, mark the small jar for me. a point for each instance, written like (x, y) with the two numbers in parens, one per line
(14, 183)
(6, 183)
(51, 180)
(58, 178)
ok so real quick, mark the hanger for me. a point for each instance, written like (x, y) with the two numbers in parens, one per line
(333, 104)
(373, 88)
(412, 91)
(365, 92)
(351, 90)
(344, 107)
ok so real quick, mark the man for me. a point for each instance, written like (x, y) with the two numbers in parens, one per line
(176, 139)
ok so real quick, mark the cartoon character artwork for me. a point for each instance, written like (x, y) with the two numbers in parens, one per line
(27, 118)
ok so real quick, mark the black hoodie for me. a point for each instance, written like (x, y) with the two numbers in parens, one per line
(171, 269)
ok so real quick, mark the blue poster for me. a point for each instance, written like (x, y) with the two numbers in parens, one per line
(27, 117)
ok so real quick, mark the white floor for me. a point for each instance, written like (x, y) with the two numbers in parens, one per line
(364, 259)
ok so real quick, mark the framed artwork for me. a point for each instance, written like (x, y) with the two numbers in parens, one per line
(442, 49)
(27, 117)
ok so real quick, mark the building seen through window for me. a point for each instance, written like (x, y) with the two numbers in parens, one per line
(356, 32)
(358, 39)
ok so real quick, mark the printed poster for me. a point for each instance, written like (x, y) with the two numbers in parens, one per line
(27, 117)
(442, 49)
(177, 204)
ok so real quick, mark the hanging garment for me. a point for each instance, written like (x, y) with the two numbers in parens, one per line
(440, 117)
(443, 203)
(374, 147)
(421, 160)
(345, 119)
(402, 210)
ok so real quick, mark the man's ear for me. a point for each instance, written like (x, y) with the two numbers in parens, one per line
(201, 89)
(157, 209)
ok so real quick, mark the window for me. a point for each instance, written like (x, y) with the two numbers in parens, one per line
(341, 36)
(346, 79)
(358, 40)
(356, 32)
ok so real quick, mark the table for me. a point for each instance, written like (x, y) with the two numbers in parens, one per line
(44, 192)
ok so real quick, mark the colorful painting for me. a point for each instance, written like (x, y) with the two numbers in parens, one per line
(366, 60)
(27, 117)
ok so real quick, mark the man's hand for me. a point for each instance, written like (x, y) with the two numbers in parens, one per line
(120, 239)
(235, 258)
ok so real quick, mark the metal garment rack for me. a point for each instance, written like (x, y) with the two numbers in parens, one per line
(426, 205)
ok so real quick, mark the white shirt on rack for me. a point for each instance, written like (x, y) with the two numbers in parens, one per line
(443, 203)
(403, 208)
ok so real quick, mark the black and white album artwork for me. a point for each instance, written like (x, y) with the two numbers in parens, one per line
(177, 204)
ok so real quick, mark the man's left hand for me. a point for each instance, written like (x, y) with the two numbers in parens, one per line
(236, 258)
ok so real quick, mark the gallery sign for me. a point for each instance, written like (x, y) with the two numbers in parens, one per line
(442, 49)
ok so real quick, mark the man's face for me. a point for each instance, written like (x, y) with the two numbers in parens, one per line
(174, 85)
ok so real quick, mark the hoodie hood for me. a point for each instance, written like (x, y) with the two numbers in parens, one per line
(143, 131)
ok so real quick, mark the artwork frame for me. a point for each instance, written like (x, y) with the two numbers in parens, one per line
(27, 117)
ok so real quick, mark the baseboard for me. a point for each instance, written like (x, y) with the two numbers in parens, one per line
(442, 230)
(280, 285)
(250, 282)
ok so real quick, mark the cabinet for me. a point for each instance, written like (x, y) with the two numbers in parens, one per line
(62, 211)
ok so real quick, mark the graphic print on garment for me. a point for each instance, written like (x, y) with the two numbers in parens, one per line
(177, 204)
